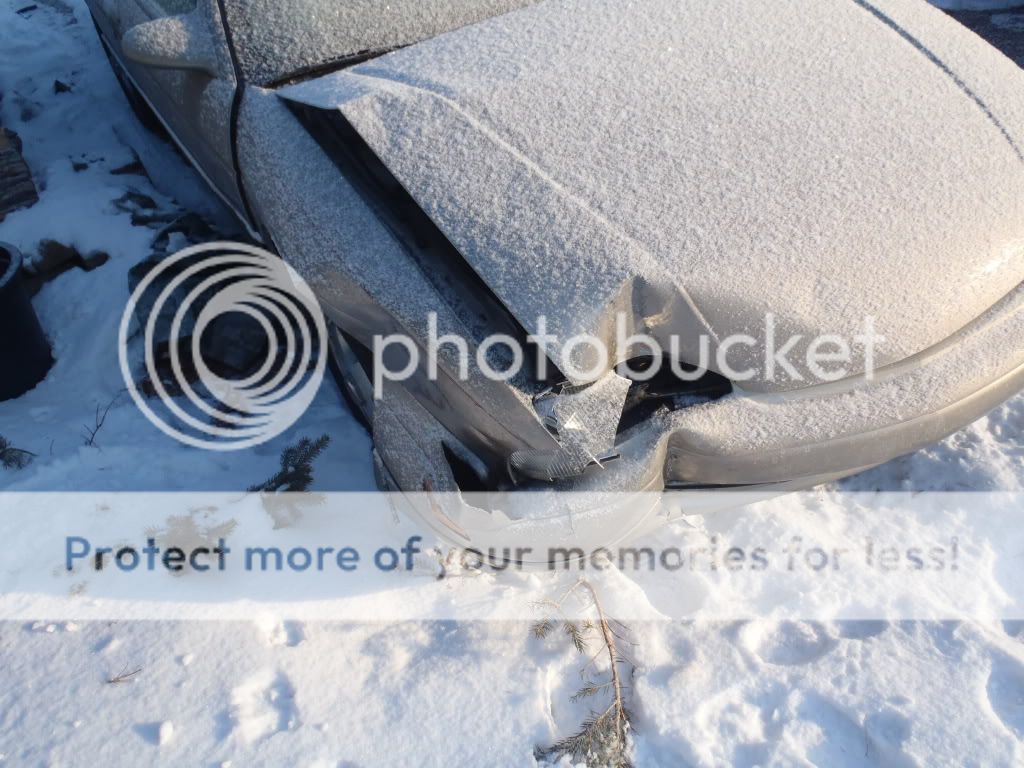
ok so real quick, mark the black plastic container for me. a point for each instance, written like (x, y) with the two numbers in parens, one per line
(24, 351)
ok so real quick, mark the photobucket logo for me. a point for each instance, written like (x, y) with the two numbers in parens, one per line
(220, 288)
(770, 357)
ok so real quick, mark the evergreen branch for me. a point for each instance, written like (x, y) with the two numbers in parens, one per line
(541, 629)
(574, 632)
(603, 739)
(14, 458)
(296, 473)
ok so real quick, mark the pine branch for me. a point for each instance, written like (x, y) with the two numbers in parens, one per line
(296, 473)
(574, 632)
(14, 458)
(602, 741)
(595, 744)
(588, 691)
(621, 723)
(541, 629)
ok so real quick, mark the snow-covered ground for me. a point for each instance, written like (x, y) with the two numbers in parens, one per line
(453, 693)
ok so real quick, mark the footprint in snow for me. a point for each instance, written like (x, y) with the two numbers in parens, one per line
(788, 643)
(877, 741)
(156, 734)
(1005, 692)
(281, 633)
(263, 706)
(862, 629)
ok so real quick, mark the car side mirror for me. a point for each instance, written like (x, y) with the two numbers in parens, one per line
(172, 42)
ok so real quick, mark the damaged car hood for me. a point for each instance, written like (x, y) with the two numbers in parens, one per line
(700, 166)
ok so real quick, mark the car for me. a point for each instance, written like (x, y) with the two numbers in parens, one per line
(842, 182)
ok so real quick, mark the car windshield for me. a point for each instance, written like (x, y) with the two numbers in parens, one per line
(279, 40)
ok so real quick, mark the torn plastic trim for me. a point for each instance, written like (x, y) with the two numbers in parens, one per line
(552, 466)
(589, 421)
(584, 420)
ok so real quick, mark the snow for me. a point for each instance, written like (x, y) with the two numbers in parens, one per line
(183, 39)
(619, 191)
(268, 689)
(278, 39)
(984, 353)
(81, 311)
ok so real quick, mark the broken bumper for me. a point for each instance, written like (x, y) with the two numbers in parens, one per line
(760, 444)
(808, 436)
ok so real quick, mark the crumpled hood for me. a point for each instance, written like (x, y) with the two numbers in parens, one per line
(699, 166)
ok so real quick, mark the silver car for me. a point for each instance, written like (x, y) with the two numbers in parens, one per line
(686, 177)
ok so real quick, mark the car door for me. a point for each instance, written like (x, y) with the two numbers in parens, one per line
(195, 106)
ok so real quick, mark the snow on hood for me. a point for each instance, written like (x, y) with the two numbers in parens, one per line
(699, 165)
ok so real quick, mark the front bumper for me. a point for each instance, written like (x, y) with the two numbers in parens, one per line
(781, 441)
(761, 445)
(827, 431)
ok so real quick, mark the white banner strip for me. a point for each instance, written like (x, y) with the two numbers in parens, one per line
(368, 557)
